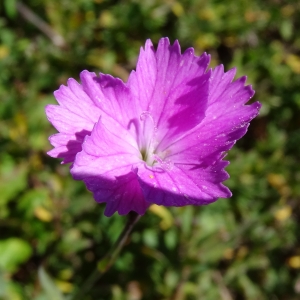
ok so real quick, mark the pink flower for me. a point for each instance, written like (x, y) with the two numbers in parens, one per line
(159, 138)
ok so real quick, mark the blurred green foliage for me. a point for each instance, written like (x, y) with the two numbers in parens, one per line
(52, 233)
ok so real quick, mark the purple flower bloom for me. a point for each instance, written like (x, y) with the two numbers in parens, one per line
(159, 138)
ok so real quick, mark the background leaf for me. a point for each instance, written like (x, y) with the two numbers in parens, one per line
(49, 287)
(13, 252)
(246, 247)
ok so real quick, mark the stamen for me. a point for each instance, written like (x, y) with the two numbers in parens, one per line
(144, 132)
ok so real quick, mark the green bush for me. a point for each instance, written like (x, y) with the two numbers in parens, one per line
(52, 233)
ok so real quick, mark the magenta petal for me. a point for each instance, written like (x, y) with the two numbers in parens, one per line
(121, 194)
(66, 146)
(227, 119)
(106, 164)
(74, 118)
(180, 185)
(74, 99)
(112, 96)
(172, 87)
(105, 152)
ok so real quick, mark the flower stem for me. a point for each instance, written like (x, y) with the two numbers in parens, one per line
(108, 260)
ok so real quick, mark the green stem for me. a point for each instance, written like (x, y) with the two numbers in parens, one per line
(108, 260)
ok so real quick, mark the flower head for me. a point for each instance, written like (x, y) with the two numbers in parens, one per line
(159, 138)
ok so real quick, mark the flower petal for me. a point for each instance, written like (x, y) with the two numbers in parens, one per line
(226, 120)
(106, 165)
(66, 146)
(179, 184)
(121, 194)
(112, 96)
(106, 152)
(73, 118)
(173, 87)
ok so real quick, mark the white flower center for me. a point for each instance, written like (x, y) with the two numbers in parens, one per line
(144, 131)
